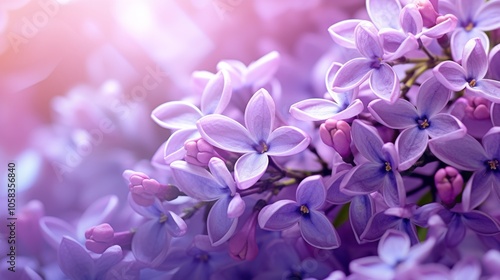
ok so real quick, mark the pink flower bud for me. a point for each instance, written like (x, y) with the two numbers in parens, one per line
(427, 11)
(243, 246)
(99, 238)
(449, 184)
(478, 108)
(144, 190)
(337, 134)
(199, 152)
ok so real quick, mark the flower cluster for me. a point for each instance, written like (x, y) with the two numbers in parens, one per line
(393, 172)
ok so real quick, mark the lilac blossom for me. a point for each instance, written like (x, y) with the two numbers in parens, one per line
(314, 226)
(396, 258)
(420, 123)
(256, 141)
(474, 18)
(470, 75)
(467, 153)
(379, 171)
(181, 116)
(217, 185)
(371, 66)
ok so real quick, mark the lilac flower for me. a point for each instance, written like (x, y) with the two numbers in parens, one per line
(382, 79)
(471, 74)
(76, 262)
(396, 258)
(151, 240)
(314, 226)
(345, 105)
(474, 18)
(256, 141)
(380, 169)
(216, 186)
(418, 124)
(491, 262)
(468, 154)
(181, 117)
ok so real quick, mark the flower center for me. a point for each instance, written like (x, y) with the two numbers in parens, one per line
(304, 210)
(388, 166)
(472, 82)
(469, 26)
(376, 63)
(163, 218)
(262, 147)
(202, 257)
(493, 164)
(423, 123)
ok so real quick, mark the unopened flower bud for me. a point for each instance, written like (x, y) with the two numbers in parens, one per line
(243, 246)
(101, 237)
(337, 134)
(449, 184)
(427, 11)
(199, 152)
(144, 190)
(478, 108)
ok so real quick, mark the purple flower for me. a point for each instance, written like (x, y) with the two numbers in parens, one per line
(468, 154)
(256, 141)
(474, 18)
(181, 117)
(382, 79)
(396, 258)
(314, 226)
(471, 74)
(216, 186)
(380, 171)
(419, 123)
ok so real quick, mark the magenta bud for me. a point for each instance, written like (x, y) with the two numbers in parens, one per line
(427, 11)
(144, 190)
(449, 184)
(337, 134)
(478, 108)
(99, 238)
(199, 152)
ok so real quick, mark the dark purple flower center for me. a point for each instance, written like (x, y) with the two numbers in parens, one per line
(493, 164)
(163, 218)
(469, 26)
(202, 257)
(472, 82)
(262, 147)
(304, 210)
(376, 63)
(423, 123)
(388, 166)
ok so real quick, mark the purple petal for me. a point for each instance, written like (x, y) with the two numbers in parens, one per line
(286, 141)
(352, 74)
(280, 215)
(53, 230)
(311, 192)
(384, 13)
(392, 39)
(477, 189)
(465, 269)
(464, 153)
(367, 141)
(317, 109)
(97, 213)
(456, 231)
(174, 147)
(409, 43)
(318, 231)
(378, 225)
(236, 207)
(260, 114)
(367, 267)
(422, 215)
(197, 182)
(220, 226)
(249, 168)
(262, 71)
(446, 125)
(361, 210)
(460, 37)
(494, 56)
(491, 261)
(438, 30)
(363, 179)
(400, 115)
(411, 145)
(342, 32)
(175, 225)
(432, 97)
(225, 133)
(467, 9)
(474, 59)
(411, 20)
(451, 75)
(491, 142)
(368, 41)
(176, 115)
(217, 94)
(489, 89)
(333, 194)
(393, 189)
(487, 16)
(480, 222)
(235, 68)
(74, 260)
(419, 252)
(495, 114)
(385, 83)
(393, 247)
(220, 172)
(151, 242)
(109, 258)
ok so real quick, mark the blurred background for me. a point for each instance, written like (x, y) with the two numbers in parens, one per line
(78, 79)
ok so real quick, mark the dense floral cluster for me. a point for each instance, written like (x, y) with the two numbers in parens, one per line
(393, 173)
